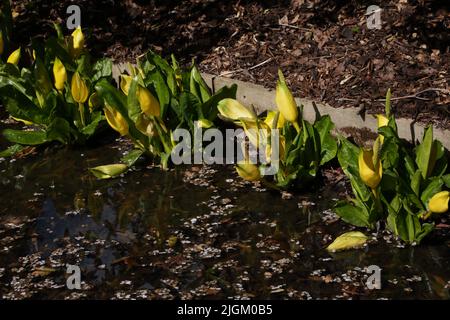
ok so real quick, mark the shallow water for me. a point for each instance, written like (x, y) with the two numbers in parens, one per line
(192, 232)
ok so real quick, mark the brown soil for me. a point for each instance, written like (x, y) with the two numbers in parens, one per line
(324, 47)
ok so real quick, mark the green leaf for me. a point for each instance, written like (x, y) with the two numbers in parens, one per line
(348, 154)
(59, 130)
(348, 240)
(102, 69)
(433, 187)
(424, 151)
(327, 142)
(134, 109)
(446, 180)
(109, 171)
(96, 118)
(25, 137)
(357, 216)
(131, 157)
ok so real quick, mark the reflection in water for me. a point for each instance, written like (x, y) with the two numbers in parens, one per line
(187, 233)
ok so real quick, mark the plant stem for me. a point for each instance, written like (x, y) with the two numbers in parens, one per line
(81, 110)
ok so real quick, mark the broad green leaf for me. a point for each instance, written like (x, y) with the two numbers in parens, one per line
(348, 154)
(348, 240)
(357, 216)
(131, 157)
(25, 137)
(433, 187)
(425, 156)
(102, 69)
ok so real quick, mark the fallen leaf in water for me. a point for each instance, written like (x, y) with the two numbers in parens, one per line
(349, 240)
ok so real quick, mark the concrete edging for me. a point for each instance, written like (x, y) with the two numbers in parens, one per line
(347, 120)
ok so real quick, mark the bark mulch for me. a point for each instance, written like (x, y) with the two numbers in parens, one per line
(324, 48)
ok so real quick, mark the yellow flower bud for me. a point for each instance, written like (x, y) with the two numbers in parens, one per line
(60, 74)
(439, 202)
(116, 120)
(370, 174)
(94, 101)
(248, 171)
(14, 57)
(382, 122)
(233, 110)
(125, 82)
(285, 101)
(77, 42)
(80, 91)
(204, 123)
(149, 104)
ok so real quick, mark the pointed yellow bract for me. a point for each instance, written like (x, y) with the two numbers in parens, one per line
(60, 74)
(149, 104)
(439, 202)
(285, 100)
(370, 174)
(233, 110)
(14, 57)
(348, 240)
(125, 82)
(271, 117)
(382, 122)
(80, 91)
(116, 120)
(76, 42)
(248, 171)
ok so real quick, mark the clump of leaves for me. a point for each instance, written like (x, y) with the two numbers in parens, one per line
(293, 150)
(395, 183)
(54, 97)
(156, 98)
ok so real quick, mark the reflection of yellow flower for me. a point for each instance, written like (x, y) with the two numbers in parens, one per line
(80, 91)
(116, 120)
(248, 171)
(14, 57)
(60, 74)
(370, 174)
(439, 202)
(149, 104)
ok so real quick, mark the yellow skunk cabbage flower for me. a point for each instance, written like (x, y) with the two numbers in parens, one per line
(14, 57)
(370, 174)
(109, 171)
(149, 104)
(80, 91)
(2, 43)
(271, 117)
(116, 120)
(439, 202)
(248, 171)
(125, 82)
(382, 122)
(233, 110)
(77, 42)
(348, 240)
(285, 101)
(60, 74)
